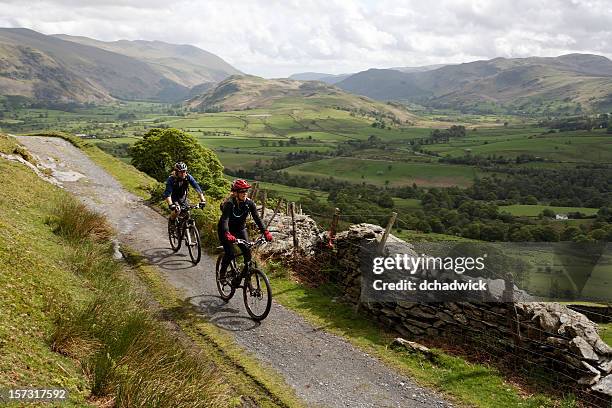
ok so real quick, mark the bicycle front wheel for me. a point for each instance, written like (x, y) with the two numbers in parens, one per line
(194, 247)
(257, 295)
(174, 235)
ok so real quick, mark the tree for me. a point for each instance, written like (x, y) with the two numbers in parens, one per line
(548, 213)
(159, 149)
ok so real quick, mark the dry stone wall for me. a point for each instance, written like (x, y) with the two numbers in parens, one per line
(540, 333)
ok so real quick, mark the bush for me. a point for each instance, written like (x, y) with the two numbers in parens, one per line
(159, 149)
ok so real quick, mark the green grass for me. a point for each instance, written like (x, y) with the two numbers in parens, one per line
(415, 236)
(241, 160)
(379, 171)
(34, 284)
(467, 383)
(524, 210)
(291, 193)
(406, 204)
(605, 332)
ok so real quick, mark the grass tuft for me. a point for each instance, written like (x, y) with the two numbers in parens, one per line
(73, 221)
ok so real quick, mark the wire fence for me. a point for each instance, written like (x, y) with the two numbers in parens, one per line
(540, 359)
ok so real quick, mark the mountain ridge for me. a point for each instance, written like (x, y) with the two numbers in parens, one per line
(583, 81)
(48, 68)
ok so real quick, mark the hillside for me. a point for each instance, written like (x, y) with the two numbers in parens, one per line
(318, 76)
(248, 92)
(570, 82)
(48, 68)
(184, 64)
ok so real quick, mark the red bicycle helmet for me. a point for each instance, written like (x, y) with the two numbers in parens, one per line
(240, 184)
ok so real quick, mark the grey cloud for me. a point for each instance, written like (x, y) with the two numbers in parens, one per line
(273, 38)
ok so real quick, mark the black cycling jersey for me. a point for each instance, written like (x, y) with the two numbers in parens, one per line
(234, 215)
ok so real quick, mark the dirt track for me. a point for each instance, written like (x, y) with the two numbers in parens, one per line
(324, 369)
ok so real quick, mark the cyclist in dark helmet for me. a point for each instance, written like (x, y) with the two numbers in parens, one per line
(177, 186)
(232, 224)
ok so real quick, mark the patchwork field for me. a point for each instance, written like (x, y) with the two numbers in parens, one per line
(524, 210)
(383, 172)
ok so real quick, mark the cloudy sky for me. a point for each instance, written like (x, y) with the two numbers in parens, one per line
(275, 38)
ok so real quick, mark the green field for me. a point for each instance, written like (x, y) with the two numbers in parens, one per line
(523, 210)
(575, 146)
(291, 193)
(382, 172)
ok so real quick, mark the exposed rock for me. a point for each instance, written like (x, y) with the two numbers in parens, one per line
(605, 366)
(582, 349)
(602, 348)
(412, 347)
(604, 385)
(589, 379)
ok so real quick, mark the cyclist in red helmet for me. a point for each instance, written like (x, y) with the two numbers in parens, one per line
(232, 225)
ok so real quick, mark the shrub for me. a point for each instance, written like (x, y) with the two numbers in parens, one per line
(159, 149)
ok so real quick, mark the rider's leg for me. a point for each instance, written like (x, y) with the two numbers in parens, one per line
(227, 257)
(245, 250)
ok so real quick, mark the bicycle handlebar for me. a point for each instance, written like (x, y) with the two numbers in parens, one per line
(250, 244)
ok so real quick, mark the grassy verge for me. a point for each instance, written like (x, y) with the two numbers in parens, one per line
(467, 383)
(34, 281)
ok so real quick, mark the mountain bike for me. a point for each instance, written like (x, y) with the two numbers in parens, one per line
(183, 228)
(256, 288)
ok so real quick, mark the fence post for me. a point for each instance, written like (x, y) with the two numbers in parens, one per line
(334, 225)
(255, 190)
(288, 205)
(263, 202)
(513, 320)
(292, 210)
(383, 242)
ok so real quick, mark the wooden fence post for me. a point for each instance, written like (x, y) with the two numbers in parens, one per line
(263, 202)
(334, 225)
(255, 190)
(383, 242)
(292, 210)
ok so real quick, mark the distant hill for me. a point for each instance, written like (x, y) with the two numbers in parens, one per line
(184, 64)
(419, 69)
(317, 76)
(240, 92)
(49, 68)
(569, 82)
(335, 78)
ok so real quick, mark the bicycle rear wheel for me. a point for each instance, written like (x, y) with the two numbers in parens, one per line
(226, 290)
(174, 235)
(195, 248)
(257, 294)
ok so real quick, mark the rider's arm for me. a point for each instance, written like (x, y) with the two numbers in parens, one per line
(253, 210)
(226, 212)
(196, 186)
(168, 192)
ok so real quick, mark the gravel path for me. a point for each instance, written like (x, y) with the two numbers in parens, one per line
(324, 370)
